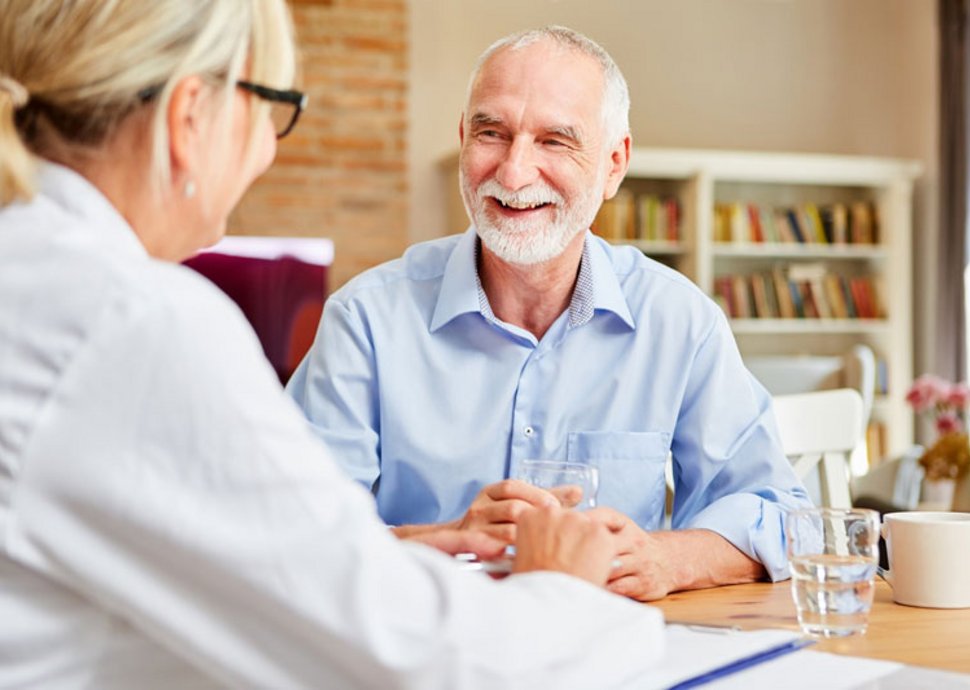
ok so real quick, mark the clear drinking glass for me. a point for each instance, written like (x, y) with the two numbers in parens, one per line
(574, 483)
(833, 555)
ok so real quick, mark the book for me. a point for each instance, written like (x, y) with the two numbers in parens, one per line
(850, 305)
(768, 225)
(722, 223)
(783, 229)
(877, 287)
(771, 295)
(725, 295)
(786, 306)
(882, 376)
(825, 216)
(740, 223)
(863, 306)
(625, 214)
(835, 297)
(809, 306)
(814, 220)
(672, 208)
(754, 223)
(742, 298)
(760, 294)
(840, 224)
(813, 296)
(805, 225)
(861, 223)
(875, 443)
(792, 215)
(796, 298)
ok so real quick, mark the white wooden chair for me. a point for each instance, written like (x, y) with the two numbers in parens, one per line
(788, 374)
(819, 430)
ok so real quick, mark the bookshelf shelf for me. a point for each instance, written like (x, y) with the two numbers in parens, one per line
(657, 248)
(693, 186)
(810, 326)
(797, 251)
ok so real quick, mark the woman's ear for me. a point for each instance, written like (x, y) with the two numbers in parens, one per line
(185, 118)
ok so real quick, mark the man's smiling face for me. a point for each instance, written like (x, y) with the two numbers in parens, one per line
(533, 161)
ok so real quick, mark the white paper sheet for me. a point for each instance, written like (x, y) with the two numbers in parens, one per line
(809, 670)
(694, 650)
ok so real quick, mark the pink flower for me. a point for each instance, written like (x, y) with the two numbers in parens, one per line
(959, 396)
(948, 423)
(927, 391)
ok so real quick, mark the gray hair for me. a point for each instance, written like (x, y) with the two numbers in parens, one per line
(616, 94)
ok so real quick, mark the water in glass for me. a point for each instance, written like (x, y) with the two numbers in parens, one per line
(833, 554)
(833, 594)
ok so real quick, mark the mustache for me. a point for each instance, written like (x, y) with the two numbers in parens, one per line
(534, 194)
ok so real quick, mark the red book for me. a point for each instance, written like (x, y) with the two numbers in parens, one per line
(863, 308)
(757, 235)
(673, 220)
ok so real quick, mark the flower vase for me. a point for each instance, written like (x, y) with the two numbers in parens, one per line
(938, 494)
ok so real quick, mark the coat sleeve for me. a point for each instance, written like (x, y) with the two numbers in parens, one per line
(172, 483)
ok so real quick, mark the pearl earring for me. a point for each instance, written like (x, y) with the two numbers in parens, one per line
(189, 190)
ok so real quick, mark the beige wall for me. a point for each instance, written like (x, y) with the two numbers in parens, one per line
(828, 76)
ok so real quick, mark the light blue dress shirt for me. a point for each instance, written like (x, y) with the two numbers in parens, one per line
(425, 397)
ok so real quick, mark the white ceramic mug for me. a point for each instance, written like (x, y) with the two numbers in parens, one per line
(929, 558)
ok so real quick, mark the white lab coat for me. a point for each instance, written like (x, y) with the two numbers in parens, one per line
(167, 519)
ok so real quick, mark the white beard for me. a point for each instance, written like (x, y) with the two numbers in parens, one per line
(530, 241)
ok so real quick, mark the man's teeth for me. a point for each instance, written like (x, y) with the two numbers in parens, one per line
(522, 206)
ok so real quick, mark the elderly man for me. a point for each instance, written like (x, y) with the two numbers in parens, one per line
(434, 376)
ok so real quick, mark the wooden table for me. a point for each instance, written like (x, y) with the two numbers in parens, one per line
(936, 638)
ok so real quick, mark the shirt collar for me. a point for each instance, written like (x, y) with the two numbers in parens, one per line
(597, 287)
(459, 284)
(79, 197)
(607, 292)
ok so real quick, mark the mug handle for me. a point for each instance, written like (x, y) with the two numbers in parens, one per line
(885, 573)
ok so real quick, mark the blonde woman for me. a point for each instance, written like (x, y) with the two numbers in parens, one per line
(166, 517)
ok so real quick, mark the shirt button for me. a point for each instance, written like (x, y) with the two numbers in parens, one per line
(528, 431)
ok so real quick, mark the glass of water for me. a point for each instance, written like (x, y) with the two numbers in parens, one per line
(833, 554)
(575, 484)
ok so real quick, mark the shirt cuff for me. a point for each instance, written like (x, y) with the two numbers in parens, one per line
(754, 525)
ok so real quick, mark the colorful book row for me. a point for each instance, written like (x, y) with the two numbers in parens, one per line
(798, 294)
(855, 223)
(628, 216)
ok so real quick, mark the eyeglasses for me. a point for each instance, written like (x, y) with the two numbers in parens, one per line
(285, 106)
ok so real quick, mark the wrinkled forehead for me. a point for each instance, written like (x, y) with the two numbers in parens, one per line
(542, 80)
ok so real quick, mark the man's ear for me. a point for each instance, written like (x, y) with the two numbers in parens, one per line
(184, 118)
(461, 130)
(618, 165)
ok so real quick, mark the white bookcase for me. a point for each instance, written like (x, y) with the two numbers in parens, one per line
(699, 179)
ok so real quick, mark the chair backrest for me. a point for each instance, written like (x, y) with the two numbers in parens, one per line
(279, 283)
(789, 374)
(820, 430)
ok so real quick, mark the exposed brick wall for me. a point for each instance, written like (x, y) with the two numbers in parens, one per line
(342, 173)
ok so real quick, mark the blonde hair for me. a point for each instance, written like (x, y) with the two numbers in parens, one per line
(88, 64)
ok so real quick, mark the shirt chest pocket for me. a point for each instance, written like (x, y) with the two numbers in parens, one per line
(631, 470)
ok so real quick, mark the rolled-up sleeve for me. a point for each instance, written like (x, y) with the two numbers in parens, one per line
(731, 474)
